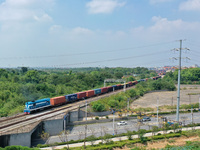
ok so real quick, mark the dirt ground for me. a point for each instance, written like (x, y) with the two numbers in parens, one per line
(168, 97)
(181, 141)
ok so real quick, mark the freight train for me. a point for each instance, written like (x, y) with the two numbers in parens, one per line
(41, 104)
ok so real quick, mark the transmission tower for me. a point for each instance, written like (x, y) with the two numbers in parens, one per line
(179, 77)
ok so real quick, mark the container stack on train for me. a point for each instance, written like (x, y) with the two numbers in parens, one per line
(50, 102)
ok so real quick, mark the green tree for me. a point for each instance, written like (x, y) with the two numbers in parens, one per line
(24, 69)
(154, 130)
(131, 93)
(141, 133)
(97, 106)
(118, 75)
(113, 103)
(32, 76)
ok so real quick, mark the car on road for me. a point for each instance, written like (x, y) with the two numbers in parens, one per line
(146, 119)
(121, 123)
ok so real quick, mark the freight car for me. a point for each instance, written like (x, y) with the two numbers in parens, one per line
(57, 100)
(71, 97)
(50, 102)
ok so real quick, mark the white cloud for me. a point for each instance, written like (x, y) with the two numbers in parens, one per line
(190, 5)
(25, 10)
(165, 25)
(164, 29)
(103, 6)
(55, 29)
(159, 1)
(81, 31)
(43, 18)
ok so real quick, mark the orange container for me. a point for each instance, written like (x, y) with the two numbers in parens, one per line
(104, 90)
(90, 93)
(57, 100)
(81, 95)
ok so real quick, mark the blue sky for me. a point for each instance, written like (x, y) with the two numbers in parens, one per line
(98, 33)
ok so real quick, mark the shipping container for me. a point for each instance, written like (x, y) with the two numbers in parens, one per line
(90, 93)
(104, 90)
(134, 82)
(119, 86)
(115, 87)
(127, 84)
(97, 91)
(110, 88)
(81, 95)
(130, 83)
(71, 97)
(142, 79)
(122, 85)
(58, 100)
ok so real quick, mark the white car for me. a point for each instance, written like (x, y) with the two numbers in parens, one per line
(121, 123)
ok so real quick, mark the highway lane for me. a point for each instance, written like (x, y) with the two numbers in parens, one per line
(98, 129)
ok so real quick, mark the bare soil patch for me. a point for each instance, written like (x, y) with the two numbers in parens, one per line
(168, 97)
(181, 141)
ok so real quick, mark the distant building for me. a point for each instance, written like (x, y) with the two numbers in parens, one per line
(195, 66)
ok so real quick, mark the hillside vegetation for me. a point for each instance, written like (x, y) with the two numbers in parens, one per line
(23, 84)
(188, 76)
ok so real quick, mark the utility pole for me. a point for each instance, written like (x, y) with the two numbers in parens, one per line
(190, 98)
(179, 78)
(127, 107)
(128, 104)
(113, 111)
(157, 111)
(86, 110)
(85, 124)
(199, 102)
(124, 86)
(192, 114)
(65, 118)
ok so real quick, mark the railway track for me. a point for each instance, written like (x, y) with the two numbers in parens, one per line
(12, 117)
(31, 120)
(11, 123)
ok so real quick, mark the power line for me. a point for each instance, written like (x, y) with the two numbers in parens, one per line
(194, 44)
(110, 60)
(150, 62)
(85, 53)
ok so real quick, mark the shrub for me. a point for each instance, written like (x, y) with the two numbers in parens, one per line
(158, 137)
(129, 134)
(97, 118)
(98, 106)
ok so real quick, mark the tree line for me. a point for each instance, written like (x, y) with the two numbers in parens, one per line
(188, 76)
(24, 84)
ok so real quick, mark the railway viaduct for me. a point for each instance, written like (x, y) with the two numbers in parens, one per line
(28, 128)
(24, 136)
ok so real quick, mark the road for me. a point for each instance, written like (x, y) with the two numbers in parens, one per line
(99, 129)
